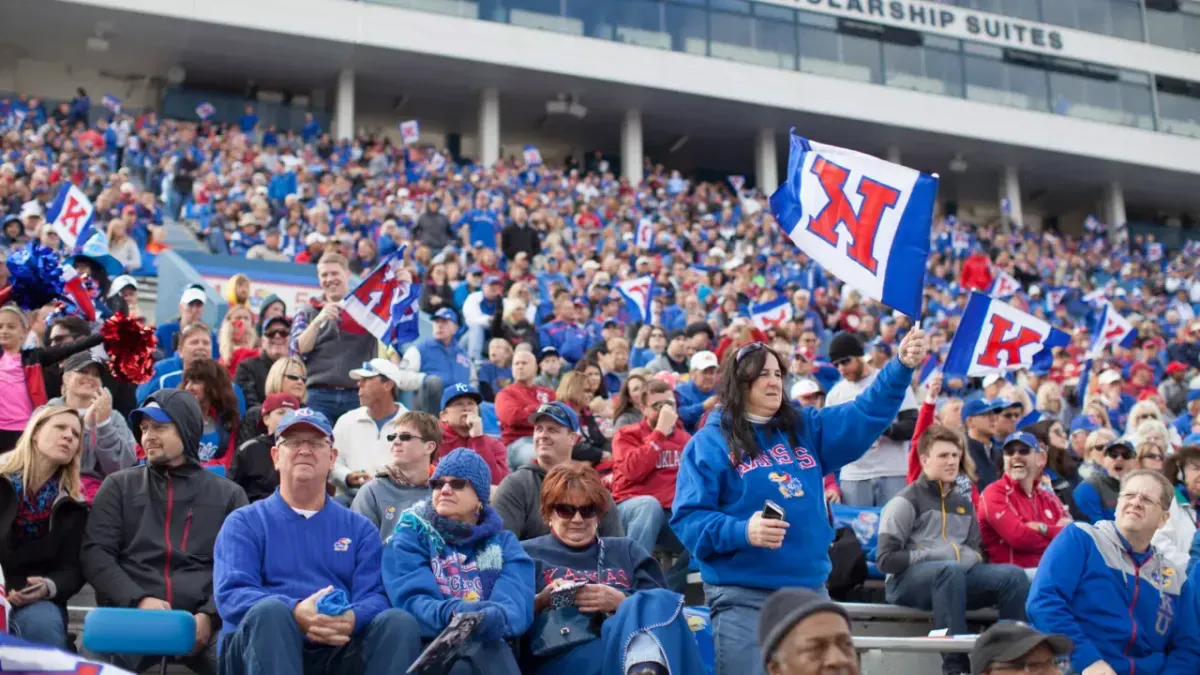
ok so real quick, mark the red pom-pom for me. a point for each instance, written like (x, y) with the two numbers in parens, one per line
(130, 345)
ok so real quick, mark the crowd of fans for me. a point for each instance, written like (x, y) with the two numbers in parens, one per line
(317, 499)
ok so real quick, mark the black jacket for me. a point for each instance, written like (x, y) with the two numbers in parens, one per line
(55, 556)
(515, 239)
(251, 376)
(151, 534)
(253, 468)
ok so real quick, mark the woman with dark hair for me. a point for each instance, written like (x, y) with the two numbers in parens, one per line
(760, 448)
(209, 382)
(436, 292)
(625, 405)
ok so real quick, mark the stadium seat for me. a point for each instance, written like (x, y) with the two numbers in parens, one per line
(217, 469)
(491, 424)
(118, 630)
(865, 523)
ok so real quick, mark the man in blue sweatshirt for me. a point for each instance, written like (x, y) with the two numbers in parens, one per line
(1128, 609)
(297, 576)
(699, 394)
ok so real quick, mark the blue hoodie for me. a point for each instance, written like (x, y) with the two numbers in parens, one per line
(1137, 618)
(714, 499)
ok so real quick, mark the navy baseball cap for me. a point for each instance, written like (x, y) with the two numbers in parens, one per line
(1023, 437)
(1004, 404)
(492, 279)
(474, 269)
(446, 314)
(1083, 423)
(459, 390)
(559, 412)
(976, 407)
(306, 417)
(151, 410)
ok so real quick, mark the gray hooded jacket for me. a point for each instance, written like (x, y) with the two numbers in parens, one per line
(107, 448)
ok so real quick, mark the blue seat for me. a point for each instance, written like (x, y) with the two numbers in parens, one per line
(864, 521)
(217, 469)
(491, 423)
(119, 630)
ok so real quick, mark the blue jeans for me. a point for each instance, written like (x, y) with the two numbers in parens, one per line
(333, 403)
(520, 453)
(872, 492)
(735, 611)
(643, 518)
(42, 622)
(268, 641)
(948, 589)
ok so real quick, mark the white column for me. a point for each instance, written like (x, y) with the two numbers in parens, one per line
(1114, 206)
(344, 111)
(489, 126)
(631, 146)
(1010, 189)
(893, 154)
(766, 161)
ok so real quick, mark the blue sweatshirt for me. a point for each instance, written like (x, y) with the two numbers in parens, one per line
(714, 499)
(691, 403)
(268, 551)
(1138, 619)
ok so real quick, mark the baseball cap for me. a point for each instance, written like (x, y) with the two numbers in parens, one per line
(492, 279)
(1004, 404)
(546, 353)
(280, 400)
(446, 314)
(977, 406)
(1175, 367)
(1007, 641)
(31, 208)
(703, 361)
(804, 388)
(1109, 376)
(377, 368)
(991, 379)
(557, 411)
(1022, 437)
(121, 283)
(305, 417)
(193, 293)
(80, 360)
(1083, 423)
(474, 269)
(172, 406)
(458, 391)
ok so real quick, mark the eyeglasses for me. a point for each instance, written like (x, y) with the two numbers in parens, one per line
(1121, 451)
(1011, 416)
(455, 484)
(296, 378)
(1017, 449)
(747, 350)
(311, 444)
(1055, 667)
(1140, 497)
(404, 437)
(272, 334)
(568, 511)
(1154, 456)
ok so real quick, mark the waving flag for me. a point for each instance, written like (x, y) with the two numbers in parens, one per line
(960, 242)
(410, 132)
(1192, 247)
(1097, 296)
(770, 314)
(1054, 297)
(992, 337)
(26, 658)
(1111, 329)
(1004, 286)
(205, 110)
(865, 220)
(1154, 251)
(383, 305)
(643, 237)
(737, 182)
(111, 102)
(532, 156)
(638, 293)
(71, 216)
(1093, 224)
(930, 366)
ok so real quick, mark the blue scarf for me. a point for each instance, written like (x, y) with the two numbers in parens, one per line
(439, 534)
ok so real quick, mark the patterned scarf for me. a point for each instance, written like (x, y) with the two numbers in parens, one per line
(439, 534)
(33, 511)
(398, 478)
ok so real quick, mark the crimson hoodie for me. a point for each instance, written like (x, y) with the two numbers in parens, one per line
(1004, 513)
(514, 404)
(491, 450)
(645, 462)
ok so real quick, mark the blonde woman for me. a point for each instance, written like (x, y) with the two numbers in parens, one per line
(593, 446)
(43, 513)
(288, 376)
(122, 246)
(237, 337)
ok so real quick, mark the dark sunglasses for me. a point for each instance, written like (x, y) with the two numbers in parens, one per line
(1011, 416)
(1120, 451)
(455, 484)
(1017, 449)
(276, 334)
(747, 350)
(1152, 456)
(568, 511)
(296, 378)
(841, 362)
(403, 437)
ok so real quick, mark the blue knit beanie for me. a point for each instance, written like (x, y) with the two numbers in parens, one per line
(464, 463)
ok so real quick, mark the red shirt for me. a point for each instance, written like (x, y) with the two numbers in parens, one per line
(976, 273)
(514, 404)
(1004, 511)
(645, 462)
(491, 450)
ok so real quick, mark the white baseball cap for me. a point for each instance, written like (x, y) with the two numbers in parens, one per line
(805, 387)
(377, 368)
(989, 380)
(703, 361)
(192, 294)
(120, 283)
(1109, 376)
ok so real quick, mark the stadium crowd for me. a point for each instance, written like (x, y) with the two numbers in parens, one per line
(318, 499)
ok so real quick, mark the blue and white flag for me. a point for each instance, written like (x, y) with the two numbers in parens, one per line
(205, 110)
(737, 182)
(993, 337)
(865, 220)
(410, 132)
(437, 161)
(1192, 247)
(1093, 224)
(1085, 374)
(26, 658)
(1005, 206)
(768, 315)
(1098, 295)
(111, 102)
(1004, 286)
(960, 241)
(532, 156)
(1154, 251)
(638, 293)
(1054, 297)
(643, 236)
(1111, 329)
(71, 215)
(385, 306)
(930, 366)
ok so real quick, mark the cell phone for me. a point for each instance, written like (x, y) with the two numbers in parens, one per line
(772, 511)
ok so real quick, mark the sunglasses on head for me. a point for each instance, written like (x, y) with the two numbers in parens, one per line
(403, 437)
(455, 484)
(747, 350)
(1120, 452)
(568, 511)
(276, 334)
(1017, 449)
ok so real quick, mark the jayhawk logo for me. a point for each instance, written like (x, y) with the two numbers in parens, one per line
(788, 486)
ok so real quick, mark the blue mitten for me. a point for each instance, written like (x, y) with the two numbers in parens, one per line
(494, 623)
(334, 603)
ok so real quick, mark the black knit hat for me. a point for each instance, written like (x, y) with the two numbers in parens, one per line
(844, 346)
(786, 608)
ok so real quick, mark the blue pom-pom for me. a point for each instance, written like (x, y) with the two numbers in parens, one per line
(36, 276)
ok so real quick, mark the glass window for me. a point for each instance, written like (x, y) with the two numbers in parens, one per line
(638, 22)
(543, 15)
(732, 37)
(1179, 114)
(1022, 9)
(688, 27)
(1001, 83)
(1179, 30)
(1085, 97)
(1137, 104)
(776, 13)
(735, 6)
(776, 39)
(760, 41)
(923, 69)
(846, 57)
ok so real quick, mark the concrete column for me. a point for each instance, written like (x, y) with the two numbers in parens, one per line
(631, 146)
(1010, 189)
(766, 161)
(1114, 206)
(893, 154)
(343, 113)
(489, 126)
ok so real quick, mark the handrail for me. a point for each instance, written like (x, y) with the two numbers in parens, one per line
(961, 644)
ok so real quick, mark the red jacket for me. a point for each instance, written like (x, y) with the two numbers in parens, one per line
(514, 404)
(491, 450)
(976, 273)
(645, 462)
(1004, 511)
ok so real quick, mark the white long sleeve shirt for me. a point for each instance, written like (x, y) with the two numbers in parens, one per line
(886, 457)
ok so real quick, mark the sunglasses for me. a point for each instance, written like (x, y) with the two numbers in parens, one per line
(747, 350)
(568, 511)
(455, 484)
(1153, 456)
(276, 334)
(1011, 416)
(1121, 452)
(403, 437)
(1015, 449)
(296, 378)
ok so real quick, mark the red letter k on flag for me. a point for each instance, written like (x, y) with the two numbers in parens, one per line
(73, 214)
(1012, 346)
(864, 224)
